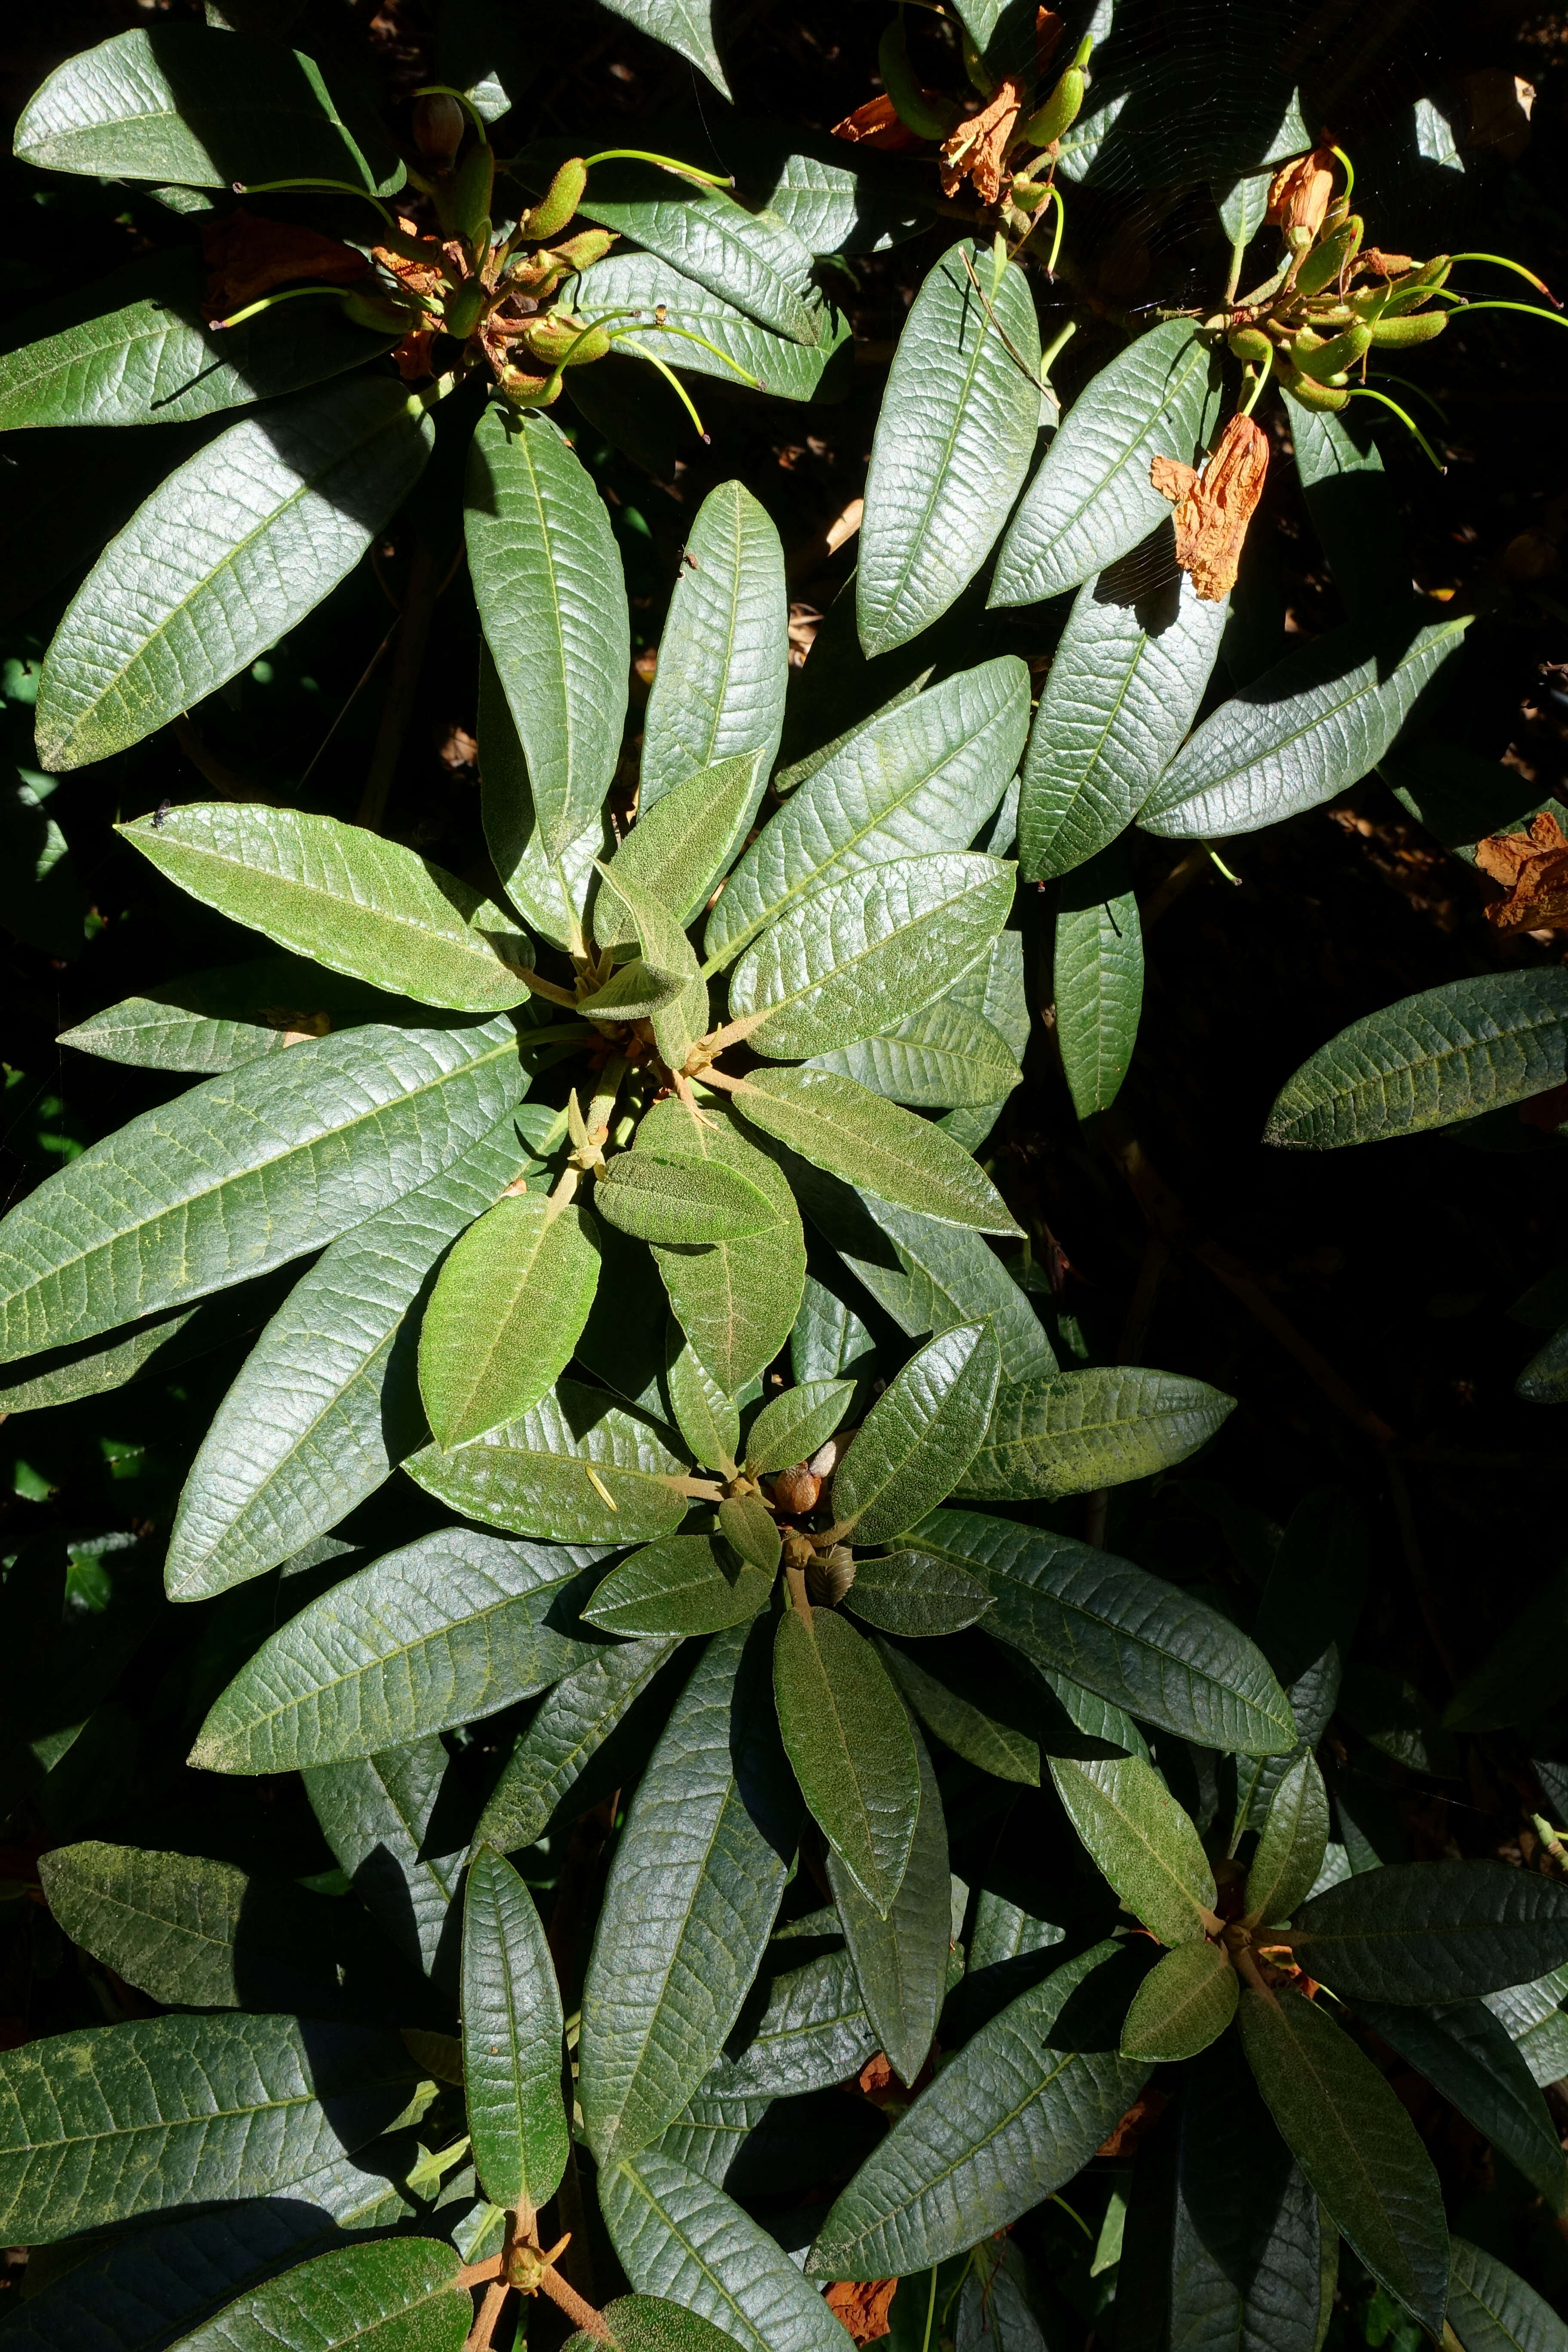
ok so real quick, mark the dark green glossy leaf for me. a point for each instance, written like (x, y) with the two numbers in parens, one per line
(1291, 1850)
(687, 1584)
(1080, 1431)
(208, 1022)
(1491, 2309)
(402, 2296)
(900, 1961)
(848, 1739)
(787, 370)
(719, 691)
(685, 1202)
(379, 1815)
(1466, 2054)
(507, 1312)
(1097, 971)
(577, 1466)
(1143, 1841)
(947, 1055)
(647, 2323)
(1180, 2006)
(853, 1134)
(750, 1530)
(920, 1436)
(790, 1427)
(802, 2030)
(750, 260)
(916, 1594)
(576, 1719)
(707, 1420)
(511, 2037)
(686, 27)
(735, 1301)
(1420, 1932)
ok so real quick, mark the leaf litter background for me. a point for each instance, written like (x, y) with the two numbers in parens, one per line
(1356, 1304)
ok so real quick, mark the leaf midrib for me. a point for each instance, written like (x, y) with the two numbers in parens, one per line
(1277, 746)
(898, 937)
(1133, 1828)
(1353, 1093)
(1176, 383)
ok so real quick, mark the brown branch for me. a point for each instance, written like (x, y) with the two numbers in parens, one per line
(407, 659)
(481, 2274)
(581, 2315)
(490, 2312)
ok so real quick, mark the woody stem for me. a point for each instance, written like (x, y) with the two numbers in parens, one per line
(581, 2315)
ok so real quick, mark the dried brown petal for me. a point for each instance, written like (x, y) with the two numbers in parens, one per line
(977, 150)
(1299, 193)
(1533, 869)
(862, 2306)
(247, 257)
(1213, 508)
(877, 124)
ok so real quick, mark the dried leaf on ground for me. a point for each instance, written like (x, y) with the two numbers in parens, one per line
(1533, 869)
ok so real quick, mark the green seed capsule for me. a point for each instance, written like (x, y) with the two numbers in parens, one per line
(1311, 394)
(559, 202)
(1060, 111)
(1251, 344)
(1329, 254)
(579, 252)
(911, 104)
(1398, 335)
(471, 198)
(460, 312)
(1323, 360)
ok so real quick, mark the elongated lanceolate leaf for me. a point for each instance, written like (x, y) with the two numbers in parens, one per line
(1009, 2119)
(915, 1594)
(577, 1466)
(690, 1902)
(1080, 1430)
(1491, 2309)
(1098, 975)
(1434, 1931)
(724, 659)
(920, 1436)
(648, 2323)
(552, 602)
(1355, 2144)
(153, 359)
(511, 2037)
(681, 1202)
(1146, 1645)
(379, 1815)
(246, 1173)
(572, 1725)
(1091, 500)
(402, 2295)
(676, 848)
(812, 2030)
(1290, 1851)
(900, 1961)
(1180, 2006)
(1143, 1841)
(102, 2124)
(946, 1055)
(922, 777)
(735, 1301)
(326, 1403)
(1451, 1052)
(189, 103)
(506, 1313)
(848, 1738)
(851, 1133)
(1466, 2054)
(688, 1584)
(1308, 727)
(237, 545)
(448, 1629)
(954, 437)
(1352, 506)
(860, 953)
(208, 1022)
(707, 1420)
(677, 2235)
(1123, 687)
(343, 896)
(790, 1427)
(640, 281)
(750, 260)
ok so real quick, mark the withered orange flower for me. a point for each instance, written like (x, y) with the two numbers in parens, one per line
(421, 277)
(877, 124)
(862, 2306)
(1298, 194)
(1213, 508)
(977, 150)
(1533, 869)
(413, 355)
(247, 256)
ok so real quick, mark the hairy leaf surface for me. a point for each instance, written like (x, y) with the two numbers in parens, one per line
(920, 1436)
(507, 1311)
(578, 1465)
(848, 1738)
(1080, 1431)
(1143, 1841)
(511, 2037)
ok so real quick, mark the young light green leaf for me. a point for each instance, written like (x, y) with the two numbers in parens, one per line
(1180, 2006)
(578, 1465)
(1433, 1931)
(678, 846)
(204, 1935)
(641, 282)
(586, 1708)
(677, 2235)
(106, 2122)
(1091, 500)
(692, 1899)
(449, 1629)
(848, 1738)
(1308, 727)
(946, 1055)
(344, 897)
(1290, 1851)
(680, 1202)
(401, 2295)
(1451, 1052)
(511, 2037)
(246, 1173)
(506, 1313)
(750, 260)
(187, 104)
(851, 1133)
(153, 359)
(1124, 687)
(707, 1420)
(954, 436)
(1097, 977)
(735, 1301)
(1009, 2119)
(1081, 1431)
(547, 582)
(687, 1584)
(679, 1008)
(379, 1815)
(922, 777)
(747, 1527)
(1355, 2143)
(858, 954)
(920, 1436)
(915, 1594)
(719, 690)
(1466, 2054)
(237, 545)
(900, 1961)
(1143, 1841)
(1144, 1644)
(790, 1427)
(1491, 2309)
(326, 1402)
